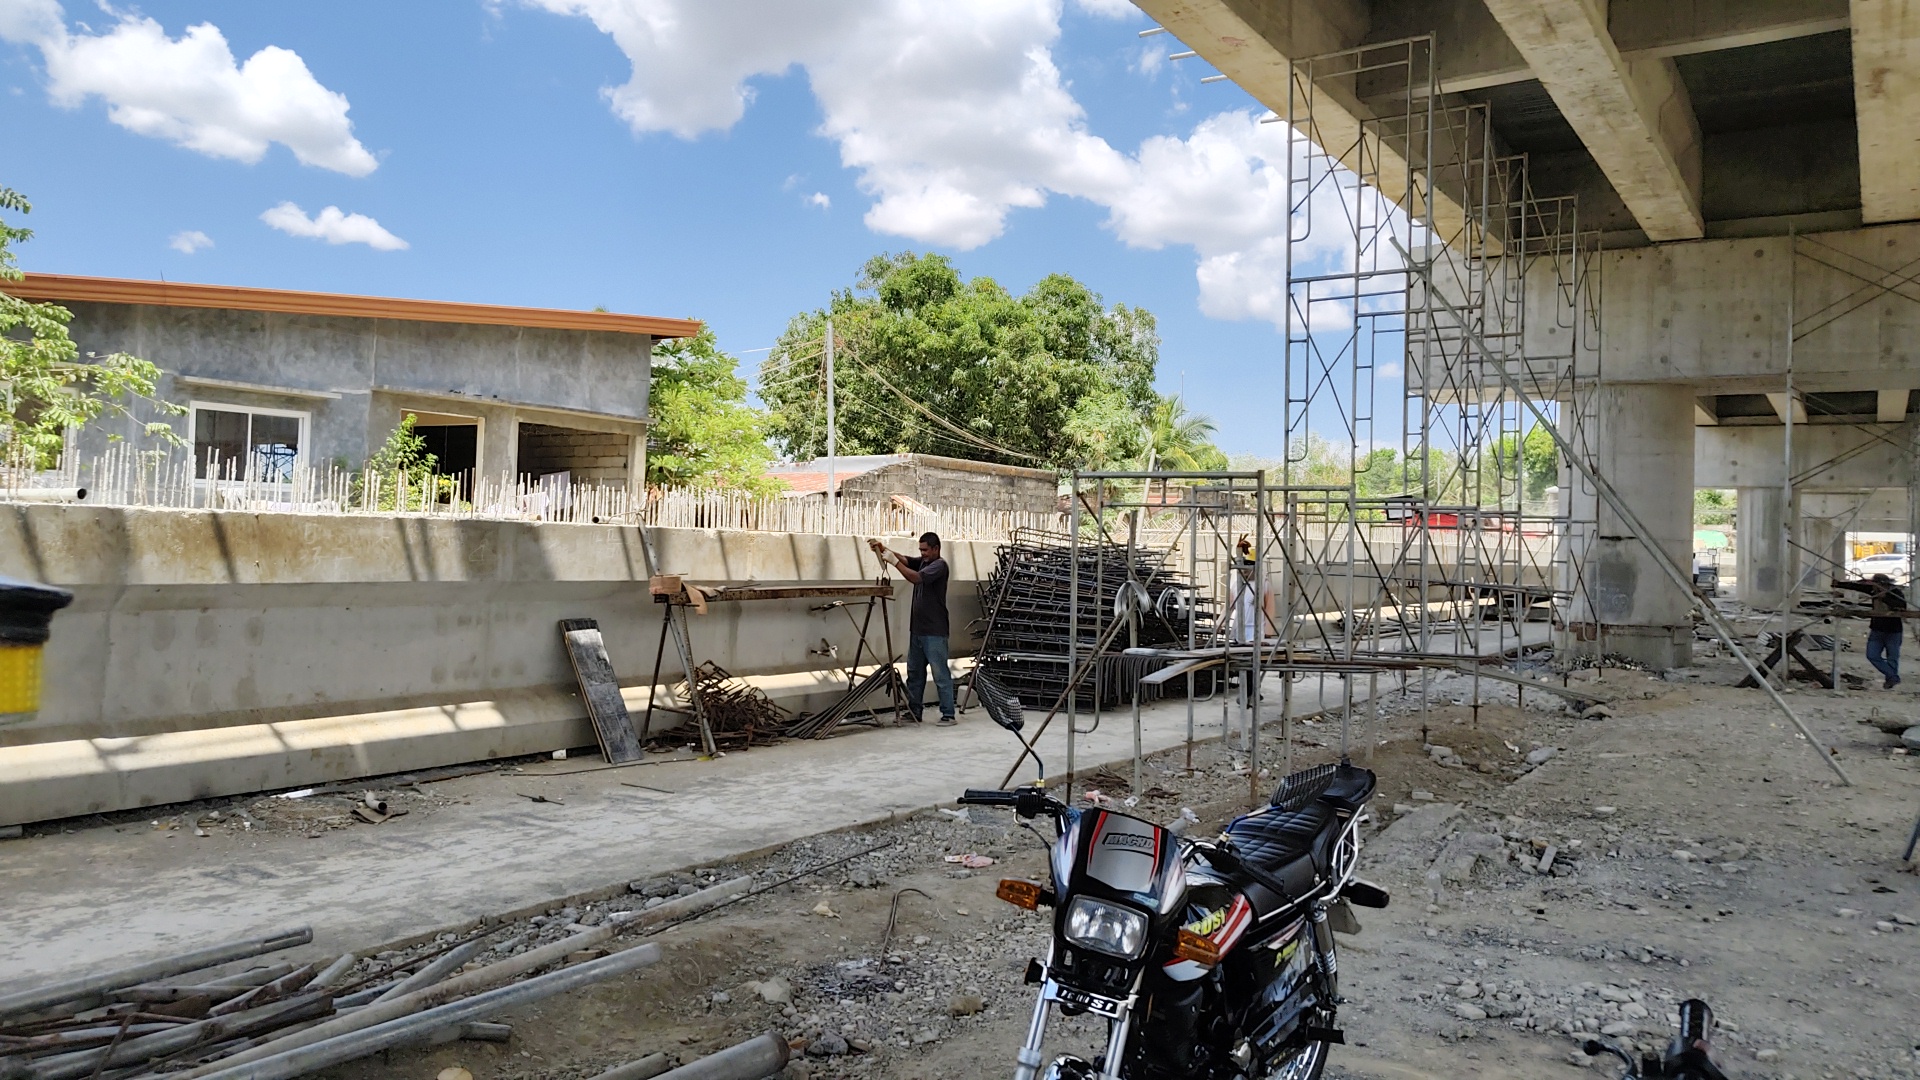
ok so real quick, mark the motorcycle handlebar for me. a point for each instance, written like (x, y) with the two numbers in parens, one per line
(1687, 1058)
(1027, 802)
(1696, 1022)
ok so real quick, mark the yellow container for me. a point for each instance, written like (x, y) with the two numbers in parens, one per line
(19, 678)
(26, 619)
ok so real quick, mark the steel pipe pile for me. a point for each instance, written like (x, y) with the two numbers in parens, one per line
(1029, 600)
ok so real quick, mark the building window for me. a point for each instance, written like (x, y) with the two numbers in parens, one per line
(231, 442)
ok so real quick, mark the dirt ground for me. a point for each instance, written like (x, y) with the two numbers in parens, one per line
(1701, 850)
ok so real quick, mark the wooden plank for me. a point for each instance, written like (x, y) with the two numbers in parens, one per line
(601, 691)
(716, 593)
(1174, 671)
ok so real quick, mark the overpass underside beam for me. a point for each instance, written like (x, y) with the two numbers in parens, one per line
(1634, 115)
(1886, 83)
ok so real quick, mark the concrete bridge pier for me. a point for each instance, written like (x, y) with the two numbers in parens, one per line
(1765, 566)
(1823, 554)
(1623, 603)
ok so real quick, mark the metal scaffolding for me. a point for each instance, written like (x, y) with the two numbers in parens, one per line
(1423, 273)
(1443, 328)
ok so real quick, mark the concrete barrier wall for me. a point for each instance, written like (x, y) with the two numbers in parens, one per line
(195, 619)
(319, 648)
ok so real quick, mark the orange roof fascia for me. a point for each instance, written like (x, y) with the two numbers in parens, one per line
(242, 298)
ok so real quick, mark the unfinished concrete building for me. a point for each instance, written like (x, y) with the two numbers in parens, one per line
(1710, 204)
(279, 380)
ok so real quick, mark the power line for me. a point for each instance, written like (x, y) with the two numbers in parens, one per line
(910, 424)
(944, 422)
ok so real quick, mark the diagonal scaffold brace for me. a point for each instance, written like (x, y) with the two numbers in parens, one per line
(1619, 506)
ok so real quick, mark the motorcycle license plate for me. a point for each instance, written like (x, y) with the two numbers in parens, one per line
(1094, 1003)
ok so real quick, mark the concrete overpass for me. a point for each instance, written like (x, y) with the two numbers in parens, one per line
(1752, 170)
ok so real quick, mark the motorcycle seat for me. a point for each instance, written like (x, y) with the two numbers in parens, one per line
(1294, 847)
(1352, 786)
(1345, 786)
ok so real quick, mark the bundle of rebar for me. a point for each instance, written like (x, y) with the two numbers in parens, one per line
(739, 714)
(823, 723)
(1029, 601)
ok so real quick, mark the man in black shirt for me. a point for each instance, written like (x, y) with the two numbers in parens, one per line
(927, 627)
(1884, 629)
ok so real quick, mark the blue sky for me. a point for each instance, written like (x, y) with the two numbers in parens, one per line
(483, 135)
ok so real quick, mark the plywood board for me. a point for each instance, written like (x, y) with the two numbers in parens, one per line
(600, 690)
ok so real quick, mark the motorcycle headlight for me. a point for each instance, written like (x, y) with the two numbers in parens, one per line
(1106, 928)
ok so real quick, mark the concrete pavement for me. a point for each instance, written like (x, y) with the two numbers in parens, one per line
(103, 896)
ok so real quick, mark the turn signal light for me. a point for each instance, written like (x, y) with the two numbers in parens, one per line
(1023, 894)
(1197, 948)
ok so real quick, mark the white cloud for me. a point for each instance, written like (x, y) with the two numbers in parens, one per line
(819, 199)
(189, 241)
(190, 90)
(1108, 9)
(1149, 60)
(333, 226)
(953, 115)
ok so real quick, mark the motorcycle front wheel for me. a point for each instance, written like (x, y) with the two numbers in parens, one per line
(1308, 1064)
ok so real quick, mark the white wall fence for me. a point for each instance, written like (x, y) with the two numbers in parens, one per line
(736, 510)
(126, 476)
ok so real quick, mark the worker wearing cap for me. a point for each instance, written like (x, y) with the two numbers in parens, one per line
(1886, 627)
(927, 629)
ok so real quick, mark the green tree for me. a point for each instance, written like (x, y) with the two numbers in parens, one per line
(1540, 463)
(929, 362)
(48, 389)
(704, 435)
(1713, 507)
(1178, 440)
(402, 472)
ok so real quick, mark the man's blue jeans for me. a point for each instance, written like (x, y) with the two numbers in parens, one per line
(921, 651)
(1883, 652)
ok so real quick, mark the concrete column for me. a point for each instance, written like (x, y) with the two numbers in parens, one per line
(1623, 602)
(1765, 564)
(1823, 555)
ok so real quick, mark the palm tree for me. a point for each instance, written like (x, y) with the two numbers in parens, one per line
(1180, 440)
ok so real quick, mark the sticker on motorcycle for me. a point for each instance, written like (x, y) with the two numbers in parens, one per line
(1125, 852)
(1222, 926)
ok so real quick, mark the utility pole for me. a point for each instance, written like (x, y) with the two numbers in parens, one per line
(833, 506)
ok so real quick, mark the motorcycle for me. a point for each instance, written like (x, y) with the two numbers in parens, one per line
(1208, 959)
(1687, 1056)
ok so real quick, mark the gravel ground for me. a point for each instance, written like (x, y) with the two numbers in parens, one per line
(1699, 849)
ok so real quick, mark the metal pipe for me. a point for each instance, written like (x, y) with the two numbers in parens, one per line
(470, 1032)
(352, 1045)
(437, 970)
(1073, 632)
(256, 976)
(750, 1060)
(833, 497)
(45, 495)
(333, 973)
(214, 1029)
(485, 978)
(23, 1001)
(1259, 639)
(644, 1069)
